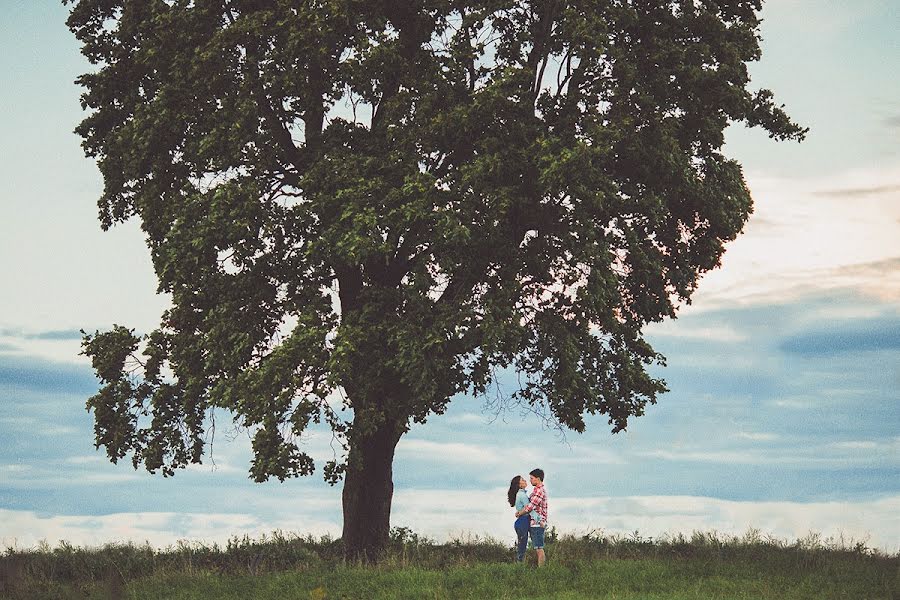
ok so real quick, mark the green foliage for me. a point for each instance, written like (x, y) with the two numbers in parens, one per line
(535, 182)
(701, 566)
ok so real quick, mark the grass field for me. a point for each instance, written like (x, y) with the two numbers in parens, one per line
(703, 566)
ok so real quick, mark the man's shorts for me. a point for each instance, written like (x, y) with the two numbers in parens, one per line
(537, 537)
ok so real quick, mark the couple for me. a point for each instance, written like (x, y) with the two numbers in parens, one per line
(531, 513)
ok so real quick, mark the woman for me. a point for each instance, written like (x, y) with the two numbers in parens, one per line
(518, 499)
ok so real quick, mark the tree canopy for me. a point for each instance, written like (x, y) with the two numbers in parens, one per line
(397, 198)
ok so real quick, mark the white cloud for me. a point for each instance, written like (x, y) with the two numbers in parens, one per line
(505, 459)
(111, 477)
(874, 520)
(870, 447)
(38, 426)
(444, 452)
(69, 474)
(757, 436)
(825, 398)
(797, 403)
(861, 445)
(810, 235)
(215, 465)
(819, 456)
(809, 16)
(466, 419)
(14, 468)
(444, 514)
(25, 529)
(586, 455)
(714, 456)
(672, 328)
(28, 343)
(87, 459)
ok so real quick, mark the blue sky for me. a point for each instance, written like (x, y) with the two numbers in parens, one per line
(784, 410)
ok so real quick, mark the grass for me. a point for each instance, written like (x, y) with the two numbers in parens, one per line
(706, 566)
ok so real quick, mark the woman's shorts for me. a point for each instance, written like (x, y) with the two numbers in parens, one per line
(537, 537)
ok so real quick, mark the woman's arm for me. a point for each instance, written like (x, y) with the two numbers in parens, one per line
(521, 501)
(537, 497)
(522, 507)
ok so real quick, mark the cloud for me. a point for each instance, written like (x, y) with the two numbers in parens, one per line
(25, 529)
(848, 337)
(52, 335)
(857, 445)
(878, 279)
(757, 437)
(715, 333)
(861, 192)
(87, 459)
(809, 235)
(872, 520)
(721, 457)
(767, 457)
(445, 514)
(42, 375)
(14, 468)
(36, 426)
(891, 445)
(808, 16)
(62, 345)
(587, 455)
(467, 419)
(68, 476)
(58, 334)
(449, 452)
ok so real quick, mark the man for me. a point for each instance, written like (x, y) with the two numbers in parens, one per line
(537, 503)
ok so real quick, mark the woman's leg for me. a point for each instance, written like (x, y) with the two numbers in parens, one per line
(521, 527)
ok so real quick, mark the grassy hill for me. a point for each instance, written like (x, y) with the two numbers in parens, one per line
(702, 566)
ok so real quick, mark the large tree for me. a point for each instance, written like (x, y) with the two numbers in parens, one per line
(522, 184)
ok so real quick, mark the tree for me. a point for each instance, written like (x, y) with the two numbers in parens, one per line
(527, 185)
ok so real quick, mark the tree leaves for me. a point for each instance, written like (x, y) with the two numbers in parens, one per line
(521, 184)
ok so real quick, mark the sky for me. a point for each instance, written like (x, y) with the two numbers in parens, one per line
(783, 413)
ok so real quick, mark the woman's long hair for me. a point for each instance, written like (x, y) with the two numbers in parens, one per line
(513, 489)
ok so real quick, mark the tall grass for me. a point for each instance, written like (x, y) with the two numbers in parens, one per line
(632, 561)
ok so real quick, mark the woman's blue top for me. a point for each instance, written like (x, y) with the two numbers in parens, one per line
(521, 501)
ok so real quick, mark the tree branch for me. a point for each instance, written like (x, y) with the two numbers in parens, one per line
(406, 19)
(294, 156)
(350, 284)
(539, 52)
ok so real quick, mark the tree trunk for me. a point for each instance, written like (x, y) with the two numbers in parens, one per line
(368, 490)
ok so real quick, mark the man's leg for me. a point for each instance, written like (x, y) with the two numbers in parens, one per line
(537, 540)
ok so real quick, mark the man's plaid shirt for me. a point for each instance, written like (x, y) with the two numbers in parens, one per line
(538, 502)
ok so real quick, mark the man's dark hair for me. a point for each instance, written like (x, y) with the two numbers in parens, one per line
(539, 473)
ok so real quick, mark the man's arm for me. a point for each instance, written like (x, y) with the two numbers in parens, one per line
(537, 498)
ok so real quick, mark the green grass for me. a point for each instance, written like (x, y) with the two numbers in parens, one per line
(705, 566)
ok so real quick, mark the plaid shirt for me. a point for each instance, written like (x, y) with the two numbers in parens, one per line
(538, 502)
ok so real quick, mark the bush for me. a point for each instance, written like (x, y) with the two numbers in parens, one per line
(280, 552)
